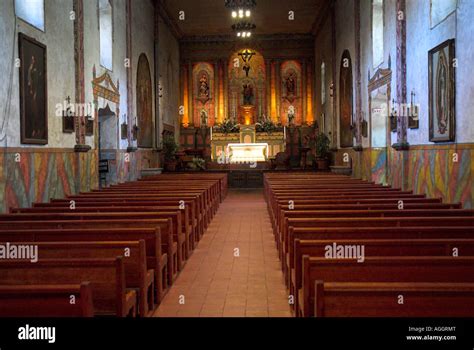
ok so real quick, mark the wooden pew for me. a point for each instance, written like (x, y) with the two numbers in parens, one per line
(199, 221)
(106, 277)
(204, 206)
(380, 269)
(353, 201)
(306, 218)
(374, 247)
(156, 260)
(284, 211)
(367, 222)
(168, 244)
(170, 224)
(189, 207)
(137, 276)
(369, 299)
(46, 300)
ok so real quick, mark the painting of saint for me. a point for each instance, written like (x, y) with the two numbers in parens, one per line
(33, 91)
(144, 103)
(441, 92)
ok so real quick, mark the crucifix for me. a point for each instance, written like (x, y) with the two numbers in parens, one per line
(246, 56)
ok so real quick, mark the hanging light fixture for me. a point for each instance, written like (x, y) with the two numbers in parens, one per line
(243, 29)
(241, 8)
(241, 12)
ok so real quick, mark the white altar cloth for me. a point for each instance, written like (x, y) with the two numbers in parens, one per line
(247, 152)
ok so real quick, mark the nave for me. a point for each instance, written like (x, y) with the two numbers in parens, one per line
(235, 270)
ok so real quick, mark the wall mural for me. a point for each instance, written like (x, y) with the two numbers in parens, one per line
(247, 83)
(144, 103)
(291, 107)
(345, 101)
(203, 94)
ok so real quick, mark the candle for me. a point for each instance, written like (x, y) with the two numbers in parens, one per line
(211, 133)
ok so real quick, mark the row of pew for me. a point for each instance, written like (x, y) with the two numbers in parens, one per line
(109, 252)
(352, 248)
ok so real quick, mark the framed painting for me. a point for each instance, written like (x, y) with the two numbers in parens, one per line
(442, 94)
(33, 91)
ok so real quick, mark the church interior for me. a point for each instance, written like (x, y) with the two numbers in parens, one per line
(236, 158)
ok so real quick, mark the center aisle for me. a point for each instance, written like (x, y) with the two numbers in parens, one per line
(235, 270)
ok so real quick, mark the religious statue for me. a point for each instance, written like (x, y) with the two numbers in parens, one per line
(203, 118)
(291, 85)
(248, 94)
(203, 87)
(246, 69)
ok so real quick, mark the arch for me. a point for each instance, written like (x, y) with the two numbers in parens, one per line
(144, 98)
(246, 68)
(346, 106)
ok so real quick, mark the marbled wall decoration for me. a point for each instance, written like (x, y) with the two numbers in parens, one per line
(428, 170)
(29, 177)
(433, 172)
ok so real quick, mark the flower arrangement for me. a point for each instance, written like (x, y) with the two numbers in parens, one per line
(227, 126)
(267, 125)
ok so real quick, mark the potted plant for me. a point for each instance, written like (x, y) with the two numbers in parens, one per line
(169, 152)
(321, 145)
(198, 164)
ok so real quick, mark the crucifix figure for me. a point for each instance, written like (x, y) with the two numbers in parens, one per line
(246, 56)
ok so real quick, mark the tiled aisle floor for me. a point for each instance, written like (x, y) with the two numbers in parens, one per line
(214, 282)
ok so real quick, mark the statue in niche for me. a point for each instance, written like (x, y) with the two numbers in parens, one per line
(291, 85)
(248, 94)
(203, 88)
(204, 118)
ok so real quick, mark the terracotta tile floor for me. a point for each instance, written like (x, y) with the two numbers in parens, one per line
(215, 282)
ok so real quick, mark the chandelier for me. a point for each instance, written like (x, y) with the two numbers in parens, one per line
(241, 12)
(243, 29)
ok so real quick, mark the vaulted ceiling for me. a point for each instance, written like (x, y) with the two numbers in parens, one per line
(211, 17)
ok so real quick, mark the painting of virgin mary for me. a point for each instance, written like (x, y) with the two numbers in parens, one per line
(441, 92)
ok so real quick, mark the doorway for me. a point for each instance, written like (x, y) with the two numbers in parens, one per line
(107, 134)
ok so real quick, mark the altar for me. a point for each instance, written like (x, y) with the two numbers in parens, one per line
(246, 146)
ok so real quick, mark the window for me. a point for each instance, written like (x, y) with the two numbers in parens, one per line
(377, 32)
(323, 83)
(440, 10)
(106, 33)
(31, 11)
